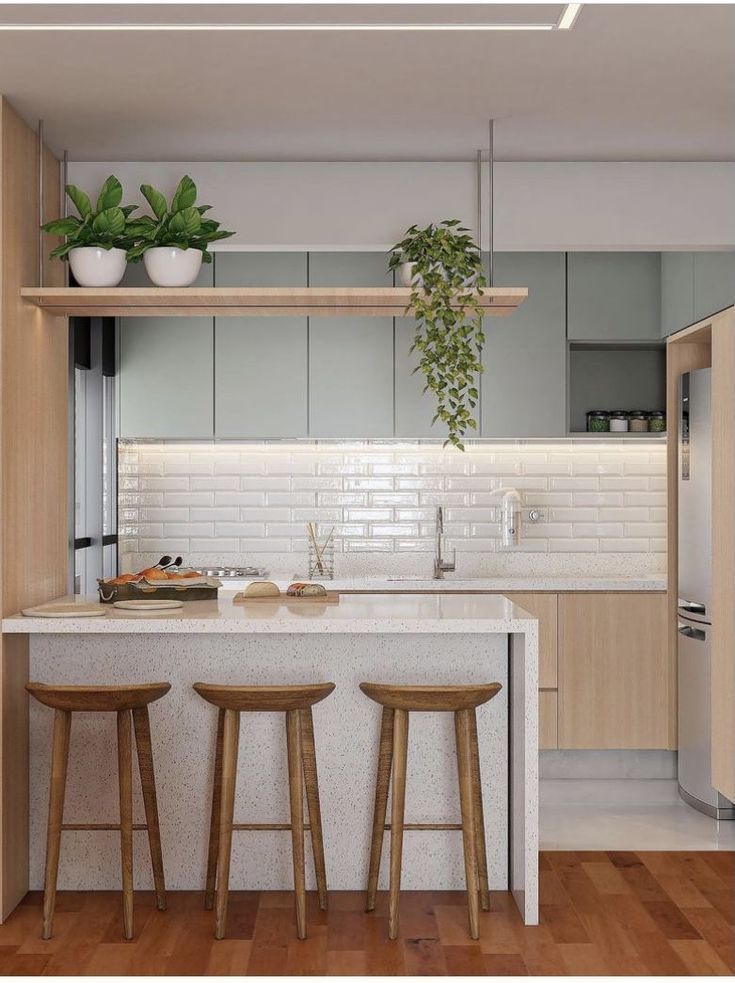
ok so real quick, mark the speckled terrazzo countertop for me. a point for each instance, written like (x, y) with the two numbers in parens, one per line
(546, 582)
(394, 613)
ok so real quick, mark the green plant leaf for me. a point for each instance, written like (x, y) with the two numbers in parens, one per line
(155, 199)
(186, 222)
(109, 223)
(81, 200)
(111, 194)
(185, 195)
(62, 226)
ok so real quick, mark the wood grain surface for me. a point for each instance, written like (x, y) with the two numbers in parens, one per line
(601, 913)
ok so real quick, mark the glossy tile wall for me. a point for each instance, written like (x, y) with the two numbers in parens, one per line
(603, 505)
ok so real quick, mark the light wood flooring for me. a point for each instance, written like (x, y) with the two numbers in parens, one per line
(601, 913)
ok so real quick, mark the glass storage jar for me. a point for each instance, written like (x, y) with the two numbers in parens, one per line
(618, 421)
(638, 422)
(598, 421)
(657, 422)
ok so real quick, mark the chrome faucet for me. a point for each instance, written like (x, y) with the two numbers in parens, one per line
(442, 566)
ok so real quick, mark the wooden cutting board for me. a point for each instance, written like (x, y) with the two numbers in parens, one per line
(331, 597)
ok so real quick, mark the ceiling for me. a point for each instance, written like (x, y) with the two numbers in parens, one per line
(628, 82)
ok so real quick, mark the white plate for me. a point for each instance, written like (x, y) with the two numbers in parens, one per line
(65, 609)
(148, 605)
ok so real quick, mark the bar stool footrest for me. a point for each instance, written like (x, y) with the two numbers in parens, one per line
(102, 826)
(412, 826)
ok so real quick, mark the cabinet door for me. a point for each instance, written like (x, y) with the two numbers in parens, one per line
(714, 283)
(350, 358)
(614, 671)
(260, 384)
(614, 296)
(415, 408)
(165, 370)
(523, 386)
(677, 292)
(544, 607)
(165, 377)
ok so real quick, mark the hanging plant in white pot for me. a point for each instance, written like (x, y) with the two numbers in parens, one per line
(173, 244)
(443, 267)
(96, 241)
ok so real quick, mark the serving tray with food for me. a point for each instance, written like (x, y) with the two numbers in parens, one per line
(166, 580)
(266, 590)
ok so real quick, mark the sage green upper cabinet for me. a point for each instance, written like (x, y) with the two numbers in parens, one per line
(165, 371)
(614, 296)
(523, 386)
(260, 363)
(677, 291)
(350, 358)
(714, 283)
(165, 377)
(415, 409)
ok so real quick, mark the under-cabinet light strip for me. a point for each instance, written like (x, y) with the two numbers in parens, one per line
(565, 23)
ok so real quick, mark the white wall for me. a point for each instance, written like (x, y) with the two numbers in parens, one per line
(554, 206)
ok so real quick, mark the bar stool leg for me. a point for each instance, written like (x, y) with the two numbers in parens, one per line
(230, 741)
(398, 802)
(296, 792)
(480, 847)
(385, 763)
(467, 803)
(142, 726)
(125, 777)
(311, 780)
(57, 789)
(214, 817)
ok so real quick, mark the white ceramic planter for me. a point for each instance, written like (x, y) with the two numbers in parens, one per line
(405, 271)
(168, 266)
(96, 267)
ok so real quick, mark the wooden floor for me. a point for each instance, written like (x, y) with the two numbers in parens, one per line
(601, 913)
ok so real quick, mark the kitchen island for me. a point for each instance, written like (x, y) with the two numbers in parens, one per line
(402, 638)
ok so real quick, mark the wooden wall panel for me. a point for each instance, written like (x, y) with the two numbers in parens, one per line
(33, 464)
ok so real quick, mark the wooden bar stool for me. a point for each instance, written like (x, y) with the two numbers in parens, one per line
(296, 702)
(397, 702)
(123, 700)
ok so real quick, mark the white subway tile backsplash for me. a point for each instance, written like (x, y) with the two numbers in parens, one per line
(228, 501)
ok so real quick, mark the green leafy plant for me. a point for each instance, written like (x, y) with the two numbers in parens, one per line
(447, 281)
(179, 224)
(106, 225)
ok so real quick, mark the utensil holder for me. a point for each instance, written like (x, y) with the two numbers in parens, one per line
(321, 560)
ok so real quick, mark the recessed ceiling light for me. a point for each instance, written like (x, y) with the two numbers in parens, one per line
(565, 23)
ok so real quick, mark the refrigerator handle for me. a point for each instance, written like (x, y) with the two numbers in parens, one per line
(690, 632)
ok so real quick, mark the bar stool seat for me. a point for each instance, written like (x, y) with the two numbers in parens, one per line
(128, 702)
(397, 703)
(296, 702)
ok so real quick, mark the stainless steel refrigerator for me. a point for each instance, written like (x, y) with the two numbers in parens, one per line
(694, 620)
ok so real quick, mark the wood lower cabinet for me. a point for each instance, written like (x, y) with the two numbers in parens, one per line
(544, 607)
(614, 671)
(548, 727)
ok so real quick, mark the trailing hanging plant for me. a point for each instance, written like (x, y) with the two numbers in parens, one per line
(106, 225)
(446, 282)
(179, 224)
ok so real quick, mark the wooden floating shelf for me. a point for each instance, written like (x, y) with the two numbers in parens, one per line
(244, 301)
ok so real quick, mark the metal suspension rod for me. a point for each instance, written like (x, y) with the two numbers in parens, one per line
(40, 202)
(490, 162)
(64, 175)
(479, 200)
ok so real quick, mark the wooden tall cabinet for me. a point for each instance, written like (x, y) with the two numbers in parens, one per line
(614, 671)
(34, 535)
